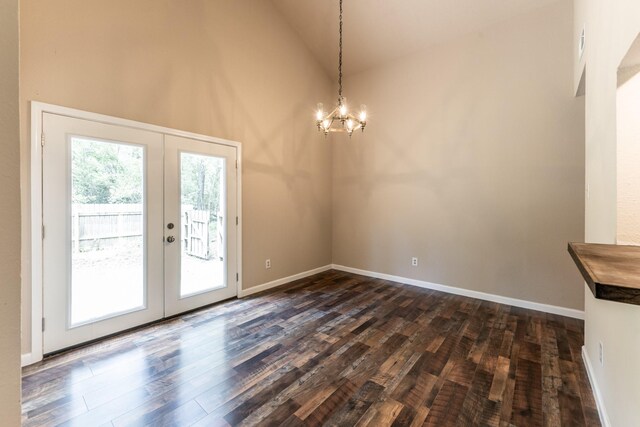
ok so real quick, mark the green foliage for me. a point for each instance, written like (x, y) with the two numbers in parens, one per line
(106, 173)
(200, 177)
(111, 173)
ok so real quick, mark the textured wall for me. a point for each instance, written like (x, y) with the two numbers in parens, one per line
(9, 217)
(223, 68)
(628, 179)
(612, 26)
(473, 162)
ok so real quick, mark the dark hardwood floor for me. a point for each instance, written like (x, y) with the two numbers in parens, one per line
(334, 349)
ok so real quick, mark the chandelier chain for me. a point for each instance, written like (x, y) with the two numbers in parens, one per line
(340, 119)
(340, 56)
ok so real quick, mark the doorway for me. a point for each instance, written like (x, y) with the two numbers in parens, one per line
(137, 225)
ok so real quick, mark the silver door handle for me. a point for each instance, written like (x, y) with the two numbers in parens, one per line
(171, 239)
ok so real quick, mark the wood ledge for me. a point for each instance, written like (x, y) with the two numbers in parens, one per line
(612, 272)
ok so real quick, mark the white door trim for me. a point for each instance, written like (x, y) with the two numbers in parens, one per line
(35, 258)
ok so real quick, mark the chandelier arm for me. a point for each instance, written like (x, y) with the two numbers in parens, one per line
(332, 115)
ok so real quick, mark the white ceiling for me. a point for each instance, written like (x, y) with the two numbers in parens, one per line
(376, 31)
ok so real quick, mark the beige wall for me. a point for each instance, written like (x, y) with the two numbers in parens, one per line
(223, 68)
(612, 27)
(9, 217)
(473, 162)
(628, 135)
(579, 23)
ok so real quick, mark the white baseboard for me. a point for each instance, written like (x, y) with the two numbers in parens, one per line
(275, 283)
(563, 311)
(28, 359)
(602, 412)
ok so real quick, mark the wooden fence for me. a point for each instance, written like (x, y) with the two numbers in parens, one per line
(96, 227)
(196, 233)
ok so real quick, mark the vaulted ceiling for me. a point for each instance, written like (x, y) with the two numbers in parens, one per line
(376, 31)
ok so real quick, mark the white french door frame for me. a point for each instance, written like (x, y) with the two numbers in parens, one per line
(38, 139)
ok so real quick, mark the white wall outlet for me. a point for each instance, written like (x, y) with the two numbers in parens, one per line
(414, 261)
(601, 353)
(267, 264)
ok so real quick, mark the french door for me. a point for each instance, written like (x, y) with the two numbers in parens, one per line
(138, 225)
(200, 224)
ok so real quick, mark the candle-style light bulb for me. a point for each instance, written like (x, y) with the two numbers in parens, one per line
(319, 112)
(363, 113)
(343, 107)
(349, 125)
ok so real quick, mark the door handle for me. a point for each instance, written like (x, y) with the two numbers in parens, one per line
(171, 239)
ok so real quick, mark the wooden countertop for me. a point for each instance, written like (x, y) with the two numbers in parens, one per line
(611, 271)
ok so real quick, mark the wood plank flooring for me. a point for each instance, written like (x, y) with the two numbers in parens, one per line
(332, 349)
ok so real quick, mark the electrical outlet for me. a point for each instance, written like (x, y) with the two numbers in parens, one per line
(601, 353)
(414, 261)
(267, 264)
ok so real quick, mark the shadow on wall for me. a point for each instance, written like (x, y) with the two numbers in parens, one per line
(221, 68)
(236, 114)
(628, 147)
(471, 162)
(438, 154)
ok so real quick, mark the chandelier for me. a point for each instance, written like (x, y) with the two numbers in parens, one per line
(340, 119)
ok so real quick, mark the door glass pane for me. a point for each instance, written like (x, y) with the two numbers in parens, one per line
(107, 229)
(202, 223)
